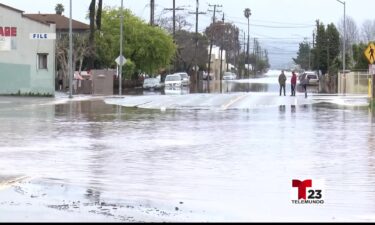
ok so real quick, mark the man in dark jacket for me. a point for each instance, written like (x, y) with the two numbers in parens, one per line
(282, 82)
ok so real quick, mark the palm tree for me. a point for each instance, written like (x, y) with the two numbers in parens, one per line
(92, 12)
(95, 16)
(247, 13)
(59, 9)
(99, 15)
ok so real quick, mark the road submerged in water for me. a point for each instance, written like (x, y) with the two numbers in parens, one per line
(206, 158)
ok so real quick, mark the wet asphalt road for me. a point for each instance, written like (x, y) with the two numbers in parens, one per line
(85, 160)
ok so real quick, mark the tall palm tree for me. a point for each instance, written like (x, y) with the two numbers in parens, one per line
(59, 9)
(99, 15)
(95, 16)
(92, 11)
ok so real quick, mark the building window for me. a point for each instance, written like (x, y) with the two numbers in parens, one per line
(42, 61)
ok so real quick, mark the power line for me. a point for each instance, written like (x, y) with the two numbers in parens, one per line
(265, 21)
(284, 38)
(174, 9)
(274, 27)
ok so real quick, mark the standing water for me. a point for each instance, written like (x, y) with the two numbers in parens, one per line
(184, 165)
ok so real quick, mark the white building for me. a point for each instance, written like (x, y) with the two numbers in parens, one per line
(27, 54)
(215, 61)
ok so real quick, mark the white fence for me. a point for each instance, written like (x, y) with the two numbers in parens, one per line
(354, 83)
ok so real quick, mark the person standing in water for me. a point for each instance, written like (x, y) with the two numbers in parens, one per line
(294, 83)
(282, 82)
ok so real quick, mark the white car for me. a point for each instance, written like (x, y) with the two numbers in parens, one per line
(312, 77)
(229, 76)
(185, 78)
(151, 83)
(173, 80)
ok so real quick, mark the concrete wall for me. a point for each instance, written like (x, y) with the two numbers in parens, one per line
(19, 71)
(102, 82)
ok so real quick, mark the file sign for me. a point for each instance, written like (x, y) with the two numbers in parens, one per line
(43, 36)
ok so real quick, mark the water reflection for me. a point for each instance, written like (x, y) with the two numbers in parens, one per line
(293, 109)
(220, 164)
(176, 91)
(262, 84)
(229, 86)
(255, 85)
(282, 109)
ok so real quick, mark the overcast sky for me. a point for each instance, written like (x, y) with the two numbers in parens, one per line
(278, 24)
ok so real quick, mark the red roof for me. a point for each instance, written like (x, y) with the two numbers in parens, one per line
(62, 22)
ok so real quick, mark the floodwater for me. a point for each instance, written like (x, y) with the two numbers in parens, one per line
(183, 165)
(267, 83)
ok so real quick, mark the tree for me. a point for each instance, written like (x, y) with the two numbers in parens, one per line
(226, 36)
(333, 46)
(186, 50)
(352, 37)
(149, 48)
(303, 56)
(59, 9)
(368, 31)
(326, 50)
(320, 51)
(181, 23)
(99, 15)
(351, 30)
(80, 51)
(92, 13)
(359, 58)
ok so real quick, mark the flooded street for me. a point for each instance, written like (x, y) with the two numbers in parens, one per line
(188, 111)
(91, 161)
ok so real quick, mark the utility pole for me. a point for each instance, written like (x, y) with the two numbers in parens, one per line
(152, 12)
(121, 47)
(314, 39)
(255, 56)
(211, 41)
(195, 67)
(308, 44)
(174, 9)
(312, 60)
(70, 54)
(247, 15)
(244, 51)
(328, 55)
(244, 42)
(309, 57)
(221, 59)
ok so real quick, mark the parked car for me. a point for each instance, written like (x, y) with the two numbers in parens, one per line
(229, 76)
(312, 76)
(151, 83)
(173, 80)
(185, 78)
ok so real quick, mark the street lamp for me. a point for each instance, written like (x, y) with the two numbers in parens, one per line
(344, 41)
(247, 15)
(121, 41)
(70, 54)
